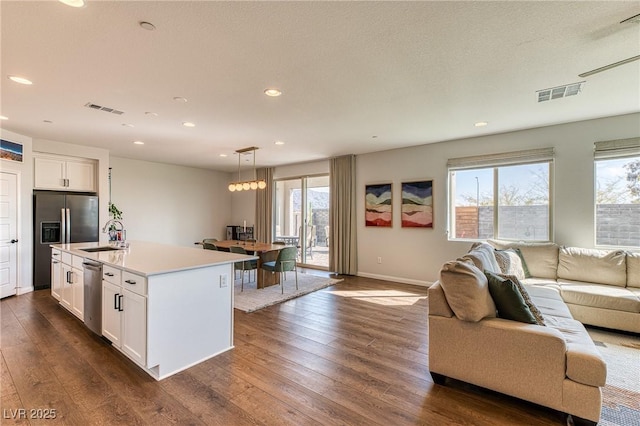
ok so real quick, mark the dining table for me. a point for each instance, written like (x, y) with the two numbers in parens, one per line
(265, 251)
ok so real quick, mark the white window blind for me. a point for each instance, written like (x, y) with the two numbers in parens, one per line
(617, 148)
(501, 159)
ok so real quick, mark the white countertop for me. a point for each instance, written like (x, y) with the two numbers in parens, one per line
(148, 258)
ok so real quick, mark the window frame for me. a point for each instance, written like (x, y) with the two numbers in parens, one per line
(611, 150)
(495, 162)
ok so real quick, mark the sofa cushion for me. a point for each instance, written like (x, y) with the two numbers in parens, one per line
(541, 258)
(593, 266)
(482, 255)
(549, 302)
(510, 262)
(584, 362)
(508, 299)
(633, 269)
(467, 291)
(599, 296)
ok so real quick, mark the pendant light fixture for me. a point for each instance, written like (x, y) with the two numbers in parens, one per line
(246, 185)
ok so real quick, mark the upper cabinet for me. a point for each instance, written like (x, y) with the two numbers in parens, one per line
(64, 173)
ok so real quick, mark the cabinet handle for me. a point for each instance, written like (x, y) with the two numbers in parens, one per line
(115, 301)
(120, 303)
(55, 261)
(132, 282)
(55, 254)
(109, 274)
(69, 277)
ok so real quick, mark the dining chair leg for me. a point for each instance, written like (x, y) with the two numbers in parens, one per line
(242, 282)
(295, 269)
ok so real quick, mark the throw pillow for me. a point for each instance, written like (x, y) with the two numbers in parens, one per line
(508, 299)
(527, 274)
(467, 291)
(510, 262)
(527, 299)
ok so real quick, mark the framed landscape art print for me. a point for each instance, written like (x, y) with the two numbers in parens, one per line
(378, 205)
(417, 204)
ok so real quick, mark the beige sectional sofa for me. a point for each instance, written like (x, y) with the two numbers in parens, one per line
(600, 287)
(556, 365)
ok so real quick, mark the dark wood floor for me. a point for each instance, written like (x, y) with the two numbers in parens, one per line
(353, 354)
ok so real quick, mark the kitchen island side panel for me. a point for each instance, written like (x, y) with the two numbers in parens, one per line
(190, 318)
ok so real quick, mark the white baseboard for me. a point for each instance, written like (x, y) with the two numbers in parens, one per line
(395, 279)
(24, 290)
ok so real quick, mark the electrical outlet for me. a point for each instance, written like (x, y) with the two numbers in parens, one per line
(379, 259)
(224, 280)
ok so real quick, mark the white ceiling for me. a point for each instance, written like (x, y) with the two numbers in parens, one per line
(356, 77)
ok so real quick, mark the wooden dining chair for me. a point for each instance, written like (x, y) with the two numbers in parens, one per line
(286, 261)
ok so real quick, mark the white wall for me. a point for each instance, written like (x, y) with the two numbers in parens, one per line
(415, 255)
(170, 204)
(24, 171)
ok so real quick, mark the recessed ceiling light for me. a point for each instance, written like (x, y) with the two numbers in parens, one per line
(272, 92)
(73, 3)
(138, 143)
(127, 125)
(47, 121)
(223, 155)
(2, 117)
(279, 143)
(188, 124)
(374, 137)
(147, 25)
(152, 114)
(179, 99)
(20, 80)
(481, 124)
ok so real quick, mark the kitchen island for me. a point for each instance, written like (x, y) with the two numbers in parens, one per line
(165, 307)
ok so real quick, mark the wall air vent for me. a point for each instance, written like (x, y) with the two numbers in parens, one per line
(103, 108)
(559, 92)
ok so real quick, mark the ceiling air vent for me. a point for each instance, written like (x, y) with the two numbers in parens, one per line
(559, 92)
(103, 108)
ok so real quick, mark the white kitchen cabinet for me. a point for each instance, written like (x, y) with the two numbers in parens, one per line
(134, 326)
(111, 317)
(66, 292)
(56, 275)
(124, 312)
(72, 284)
(64, 173)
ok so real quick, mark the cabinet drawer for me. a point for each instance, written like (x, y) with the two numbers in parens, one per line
(76, 262)
(134, 283)
(66, 257)
(111, 275)
(56, 254)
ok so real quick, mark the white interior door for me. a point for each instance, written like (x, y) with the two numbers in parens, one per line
(8, 234)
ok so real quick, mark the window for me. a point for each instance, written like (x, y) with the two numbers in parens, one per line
(617, 193)
(504, 196)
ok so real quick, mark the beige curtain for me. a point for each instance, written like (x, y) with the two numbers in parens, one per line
(343, 257)
(264, 206)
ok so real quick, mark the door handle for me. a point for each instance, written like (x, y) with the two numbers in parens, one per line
(14, 241)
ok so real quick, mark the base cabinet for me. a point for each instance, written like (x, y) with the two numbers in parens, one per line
(56, 278)
(124, 314)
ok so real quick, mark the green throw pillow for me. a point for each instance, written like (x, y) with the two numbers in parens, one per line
(508, 299)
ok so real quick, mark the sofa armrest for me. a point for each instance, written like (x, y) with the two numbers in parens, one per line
(523, 360)
(438, 301)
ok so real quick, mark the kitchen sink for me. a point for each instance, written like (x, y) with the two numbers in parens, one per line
(96, 249)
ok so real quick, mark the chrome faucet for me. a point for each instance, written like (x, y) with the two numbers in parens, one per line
(117, 234)
(110, 223)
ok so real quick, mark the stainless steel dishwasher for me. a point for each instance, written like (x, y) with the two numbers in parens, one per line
(93, 295)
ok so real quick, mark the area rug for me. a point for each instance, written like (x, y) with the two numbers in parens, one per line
(252, 299)
(621, 394)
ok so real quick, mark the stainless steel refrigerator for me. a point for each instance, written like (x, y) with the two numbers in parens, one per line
(59, 218)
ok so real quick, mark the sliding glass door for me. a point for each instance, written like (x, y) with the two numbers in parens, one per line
(301, 217)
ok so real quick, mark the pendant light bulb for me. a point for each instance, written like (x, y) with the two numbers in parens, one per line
(254, 185)
(262, 184)
(232, 187)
